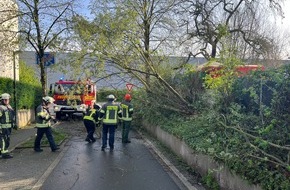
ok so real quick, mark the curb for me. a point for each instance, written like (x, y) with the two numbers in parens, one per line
(175, 171)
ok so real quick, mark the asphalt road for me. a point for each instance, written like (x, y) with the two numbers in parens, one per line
(130, 166)
(80, 165)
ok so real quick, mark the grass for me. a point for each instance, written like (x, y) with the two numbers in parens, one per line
(58, 135)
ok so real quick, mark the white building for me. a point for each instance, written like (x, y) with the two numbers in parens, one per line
(9, 64)
(55, 73)
(116, 81)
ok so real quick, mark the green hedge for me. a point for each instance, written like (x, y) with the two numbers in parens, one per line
(27, 95)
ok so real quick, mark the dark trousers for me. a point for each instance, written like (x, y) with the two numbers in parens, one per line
(48, 132)
(5, 140)
(126, 126)
(90, 127)
(111, 130)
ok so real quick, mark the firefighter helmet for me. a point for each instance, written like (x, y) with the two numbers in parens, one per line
(5, 96)
(48, 99)
(111, 97)
(127, 97)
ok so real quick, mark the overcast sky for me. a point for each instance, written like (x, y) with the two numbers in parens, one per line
(286, 21)
(283, 23)
(285, 26)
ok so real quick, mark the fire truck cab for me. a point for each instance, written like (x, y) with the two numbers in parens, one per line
(72, 97)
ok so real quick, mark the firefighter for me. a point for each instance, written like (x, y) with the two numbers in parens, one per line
(7, 116)
(91, 121)
(127, 112)
(43, 125)
(110, 114)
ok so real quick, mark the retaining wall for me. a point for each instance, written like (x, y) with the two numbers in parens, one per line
(200, 162)
(25, 117)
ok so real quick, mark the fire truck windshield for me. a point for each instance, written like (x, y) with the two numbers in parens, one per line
(68, 89)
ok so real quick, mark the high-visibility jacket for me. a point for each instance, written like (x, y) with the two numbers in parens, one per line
(6, 116)
(110, 113)
(127, 111)
(92, 115)
(42, 117)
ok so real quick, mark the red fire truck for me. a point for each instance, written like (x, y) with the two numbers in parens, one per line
(72, 97)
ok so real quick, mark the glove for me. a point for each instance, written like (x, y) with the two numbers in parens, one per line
(48, 117)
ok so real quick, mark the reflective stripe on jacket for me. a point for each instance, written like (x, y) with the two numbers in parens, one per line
(8, 125)
(6, 117)
(91, 115)
(3, 149)
(127, 111)
(110, 113)
(42, 117)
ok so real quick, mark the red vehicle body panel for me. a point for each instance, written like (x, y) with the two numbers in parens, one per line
(241, 69)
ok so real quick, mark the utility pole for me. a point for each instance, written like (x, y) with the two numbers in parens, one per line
(14, 85)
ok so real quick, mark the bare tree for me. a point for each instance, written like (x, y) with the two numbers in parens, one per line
(129, 34)
(135, 35)
(43, 26)
(211, 23)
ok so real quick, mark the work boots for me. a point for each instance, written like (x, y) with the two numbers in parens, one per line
(38, 150)
(6, 156)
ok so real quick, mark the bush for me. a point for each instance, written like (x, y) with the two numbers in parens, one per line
(27, 95)
(250, 135)
(27, 92)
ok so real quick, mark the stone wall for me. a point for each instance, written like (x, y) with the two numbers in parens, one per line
(200, 162)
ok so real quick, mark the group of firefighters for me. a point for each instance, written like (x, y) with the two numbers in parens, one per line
(110, 115)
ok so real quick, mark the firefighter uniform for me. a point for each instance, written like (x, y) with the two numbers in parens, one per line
(43, 125)
(6, 122)
(127, 112)
(91, 121)
(110, 114)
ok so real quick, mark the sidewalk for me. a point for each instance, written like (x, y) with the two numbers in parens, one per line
(27, 169)
(21, 135)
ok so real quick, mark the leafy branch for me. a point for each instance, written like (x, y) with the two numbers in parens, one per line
(272, 158)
